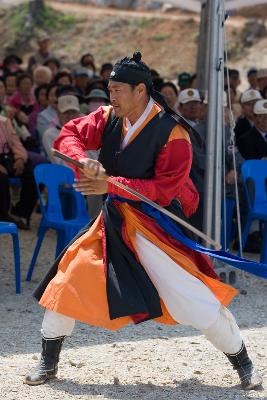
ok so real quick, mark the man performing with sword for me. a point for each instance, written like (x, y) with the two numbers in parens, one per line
(129, 266)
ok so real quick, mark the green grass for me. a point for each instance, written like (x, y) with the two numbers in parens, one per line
(48, 19)
(160, 36)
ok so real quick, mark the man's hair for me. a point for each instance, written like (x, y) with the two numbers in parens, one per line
(62, 74)
(171, 85)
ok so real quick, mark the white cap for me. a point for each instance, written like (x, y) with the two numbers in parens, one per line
(262, 73)
(187, 95)
(260, 107)
(68, 102)
(206, 98)
(249, 95)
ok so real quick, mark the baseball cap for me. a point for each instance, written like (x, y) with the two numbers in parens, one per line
(97, 93)
(188, 95)
(184, 78)
(262, 73)
(260, 107)
(249, 95)
(83, 72)
(68, 102)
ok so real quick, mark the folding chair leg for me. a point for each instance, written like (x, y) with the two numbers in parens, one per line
(40, 239)
(245, 232)
(17, 262)
(264, 245)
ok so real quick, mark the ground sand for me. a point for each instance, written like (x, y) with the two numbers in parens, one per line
(148, 361)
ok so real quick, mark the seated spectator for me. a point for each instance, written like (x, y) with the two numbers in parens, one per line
(82, 77)
(169, 90)
(235, 106)
(43, 52)
(68, 108)
(189, 105)
(40, 96)
(234, 79)
(105, 71)
(11, 64)
(87, 61)
(54, 65)
(262, 78)
(10, 84)
(184, 80)
(252, 77)
(245, 122)
(96, 99)
(253, 144)
(41, 74)
(14, 162)
(49, 115)
(63, 78)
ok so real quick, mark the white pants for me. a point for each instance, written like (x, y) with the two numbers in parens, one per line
(187, 299)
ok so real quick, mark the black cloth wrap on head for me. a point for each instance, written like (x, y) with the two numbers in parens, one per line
(131, 75)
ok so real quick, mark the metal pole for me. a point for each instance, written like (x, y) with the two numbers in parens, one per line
(202, 50)
(212, 116)
(219, 125)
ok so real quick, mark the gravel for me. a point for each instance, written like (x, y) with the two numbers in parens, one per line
(148, 361)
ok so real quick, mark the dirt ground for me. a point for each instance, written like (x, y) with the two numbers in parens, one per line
(147, 361)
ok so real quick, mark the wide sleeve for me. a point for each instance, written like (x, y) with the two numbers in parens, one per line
(82, 134)
(171, 179)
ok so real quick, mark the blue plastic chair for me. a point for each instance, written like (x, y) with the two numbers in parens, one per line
(255, 171)
(10, 228)
(227, 231)
(54, 177)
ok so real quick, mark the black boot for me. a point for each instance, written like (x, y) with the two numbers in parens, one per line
(47, 366)
(250, 378)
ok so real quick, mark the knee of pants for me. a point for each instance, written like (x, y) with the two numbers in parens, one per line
(56, 325)
(224, 333)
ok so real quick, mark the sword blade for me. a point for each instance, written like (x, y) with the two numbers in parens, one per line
(185, 224)
(143, 198)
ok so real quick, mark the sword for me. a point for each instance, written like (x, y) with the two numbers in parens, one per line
(141, 197)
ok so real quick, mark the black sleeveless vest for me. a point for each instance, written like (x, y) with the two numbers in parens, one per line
(137, 159)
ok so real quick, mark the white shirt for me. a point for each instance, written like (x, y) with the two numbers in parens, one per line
(131, 129)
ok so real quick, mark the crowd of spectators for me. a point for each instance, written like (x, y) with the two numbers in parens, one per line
(38, 98)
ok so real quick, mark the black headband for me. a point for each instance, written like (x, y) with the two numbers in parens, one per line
(132, 71)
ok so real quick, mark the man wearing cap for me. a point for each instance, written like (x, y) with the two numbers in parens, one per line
(245, 122)
(253, 144)
(125, 268)
(67, 109)
(189, 105)
(184, 80)
(96, 98)
(43, 52)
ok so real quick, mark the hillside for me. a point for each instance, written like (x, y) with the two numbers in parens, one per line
(168, 41)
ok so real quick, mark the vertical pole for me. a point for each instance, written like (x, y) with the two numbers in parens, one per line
(202, 50)
(219, 125)
(211, 122)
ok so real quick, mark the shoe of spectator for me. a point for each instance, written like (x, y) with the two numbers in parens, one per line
(20, 222)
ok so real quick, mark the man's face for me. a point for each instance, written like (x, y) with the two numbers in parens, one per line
(2, 92)
(25, 86)
(248, 108)
(42, 98)
(123, 98)
(190, 110)
(44, 46)
(261, 122)
(252, 80)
